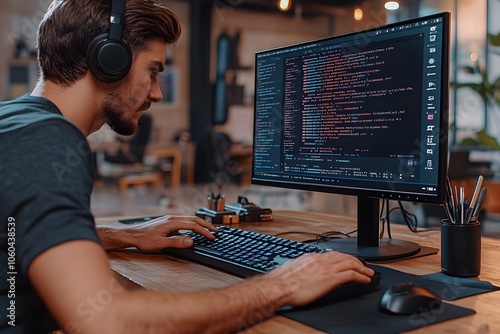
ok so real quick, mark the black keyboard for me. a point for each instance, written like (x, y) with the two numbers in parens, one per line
(242, 253)
(246, 253)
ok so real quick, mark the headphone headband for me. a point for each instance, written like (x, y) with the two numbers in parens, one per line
(117, 19)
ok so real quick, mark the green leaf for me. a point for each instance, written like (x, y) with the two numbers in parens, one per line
(469, 142)
(494, 39)
(496, 90)
(486, 140)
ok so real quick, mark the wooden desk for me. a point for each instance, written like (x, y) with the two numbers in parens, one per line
(165, 273)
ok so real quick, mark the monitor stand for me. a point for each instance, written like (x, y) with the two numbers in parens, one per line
(368, 244)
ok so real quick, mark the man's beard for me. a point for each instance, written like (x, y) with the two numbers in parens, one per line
(116, 120)
(114, 108)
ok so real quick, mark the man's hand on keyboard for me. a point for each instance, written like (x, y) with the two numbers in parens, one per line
(156, 234)
(313, 275)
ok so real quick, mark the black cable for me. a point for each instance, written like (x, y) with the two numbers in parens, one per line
(385, 219)
(407, 216)
(382, 219)
(318, 237)
(334, 234)
(296, 232)
(388, 219)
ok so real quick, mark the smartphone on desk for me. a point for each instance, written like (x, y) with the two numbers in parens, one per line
(137, 220)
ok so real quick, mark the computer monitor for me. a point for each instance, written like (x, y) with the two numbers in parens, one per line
(363, 114)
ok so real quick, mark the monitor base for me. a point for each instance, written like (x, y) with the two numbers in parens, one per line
(388, 249)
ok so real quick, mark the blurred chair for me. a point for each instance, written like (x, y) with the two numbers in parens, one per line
(123, 161)
(130, 151)
(225, 158)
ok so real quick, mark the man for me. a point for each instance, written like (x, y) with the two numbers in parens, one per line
(55, 258)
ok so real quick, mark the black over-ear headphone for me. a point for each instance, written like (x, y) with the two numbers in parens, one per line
(108, 56)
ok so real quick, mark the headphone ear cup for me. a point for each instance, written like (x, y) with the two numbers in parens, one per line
(108, 60)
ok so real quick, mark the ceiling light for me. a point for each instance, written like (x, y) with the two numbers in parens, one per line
(474, 56)
(391, 5)
(358, 13)
(284, 5)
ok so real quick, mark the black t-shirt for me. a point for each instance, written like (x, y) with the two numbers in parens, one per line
(46, 172)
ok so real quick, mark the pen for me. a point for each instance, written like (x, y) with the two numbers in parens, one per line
(451, 201)
(461, 206)
(462, 213)
(480, 201)
(456, 198)
(479, 186)
(449, 212)
(468, 215)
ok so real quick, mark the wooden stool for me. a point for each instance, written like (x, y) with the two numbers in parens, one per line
(155, 179)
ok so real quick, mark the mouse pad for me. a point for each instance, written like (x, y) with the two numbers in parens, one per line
(460, 287)
(447, 287)
(361, 314)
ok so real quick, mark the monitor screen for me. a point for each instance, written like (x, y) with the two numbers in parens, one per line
(363, 114)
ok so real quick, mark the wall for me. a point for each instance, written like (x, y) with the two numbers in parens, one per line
(18, 18)
(169, 119)
(493, 55)
(254, 29)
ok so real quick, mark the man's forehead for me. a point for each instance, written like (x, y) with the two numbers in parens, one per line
(153, 52)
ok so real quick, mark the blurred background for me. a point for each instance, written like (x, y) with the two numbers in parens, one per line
(201, 135)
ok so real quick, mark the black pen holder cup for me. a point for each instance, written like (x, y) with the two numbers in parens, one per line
(461, 249)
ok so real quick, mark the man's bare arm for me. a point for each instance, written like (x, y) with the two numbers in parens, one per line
(76, 283)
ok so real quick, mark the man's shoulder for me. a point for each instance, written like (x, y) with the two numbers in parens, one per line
(27, 110)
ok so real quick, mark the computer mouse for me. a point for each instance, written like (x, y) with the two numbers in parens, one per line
(408, 298)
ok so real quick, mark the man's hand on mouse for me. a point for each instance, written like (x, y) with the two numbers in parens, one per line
(312, 275)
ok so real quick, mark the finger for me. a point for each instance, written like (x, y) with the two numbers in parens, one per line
(193, 219)
(355, 267)
(201, 222)
(201, 230)
(354, 276)
(178, 242)
(344, 258)
(336, 262)
(189, 225)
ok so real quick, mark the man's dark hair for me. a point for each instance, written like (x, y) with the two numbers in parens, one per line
(69, 26)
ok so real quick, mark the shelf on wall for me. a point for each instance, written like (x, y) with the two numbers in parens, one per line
(22, 76)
